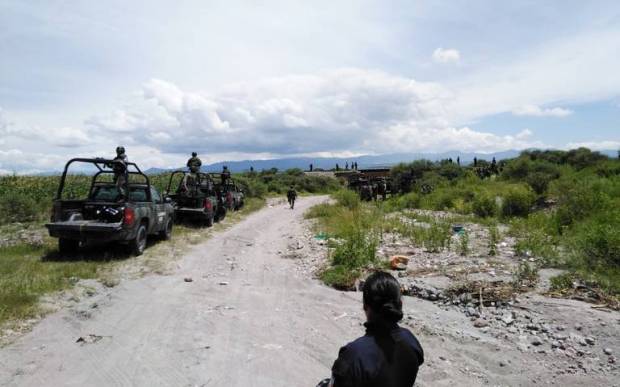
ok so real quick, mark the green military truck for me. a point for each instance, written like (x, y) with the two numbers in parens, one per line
(229, 192)
(121, 208)
(195, 197)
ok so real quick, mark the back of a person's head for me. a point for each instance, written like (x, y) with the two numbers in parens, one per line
(382, 295)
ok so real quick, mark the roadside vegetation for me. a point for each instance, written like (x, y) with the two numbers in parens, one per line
(30, 265)
(354, 230)
(563, 207)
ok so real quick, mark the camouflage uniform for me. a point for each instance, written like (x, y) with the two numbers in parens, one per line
(225, 175)
(192, 179)
(291, 195)
(194, 163)
(120, 170)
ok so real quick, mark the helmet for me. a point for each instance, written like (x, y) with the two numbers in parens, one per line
(120, 150)
(225, 167)
(194, 154)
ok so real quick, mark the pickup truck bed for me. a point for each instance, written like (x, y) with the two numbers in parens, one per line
(89, 229)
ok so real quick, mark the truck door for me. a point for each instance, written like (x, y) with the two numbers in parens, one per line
(159, 216)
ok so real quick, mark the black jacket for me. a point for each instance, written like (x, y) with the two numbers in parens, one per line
(387, 357)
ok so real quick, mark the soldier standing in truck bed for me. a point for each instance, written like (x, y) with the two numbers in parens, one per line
(194, 163)
(225, 175)
(120, 170)
(192, 179)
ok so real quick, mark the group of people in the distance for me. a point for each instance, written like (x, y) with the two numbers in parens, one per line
(387, 355)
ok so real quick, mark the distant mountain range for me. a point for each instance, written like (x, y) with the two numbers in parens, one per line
(328, 163)
(362, 161)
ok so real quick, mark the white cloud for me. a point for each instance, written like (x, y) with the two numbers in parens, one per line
(67, 137)
(15, 160)
(537, 111)
(595, 145)
(6, 127)
(574, 69)
(332, 112)
(448, 55)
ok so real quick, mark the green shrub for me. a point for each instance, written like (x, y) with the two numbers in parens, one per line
(323, 210)
(562, 281)
(484, 206)
(18, 208)
(340, 277)
(536, 236)
(433, 237)
(348, 199)
(539, 181)
(578, 199)
(596, 242)
(410, 200)
(356, 250)
(525, 275)
(517, 201)
(517, 169)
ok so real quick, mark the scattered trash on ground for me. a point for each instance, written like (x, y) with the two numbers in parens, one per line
(89, 339)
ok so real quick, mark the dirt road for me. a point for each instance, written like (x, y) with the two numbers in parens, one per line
(246, 319)
(252, 316)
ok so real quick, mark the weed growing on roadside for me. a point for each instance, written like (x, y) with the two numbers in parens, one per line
(525, 275)
(464, 243)
(494, 238)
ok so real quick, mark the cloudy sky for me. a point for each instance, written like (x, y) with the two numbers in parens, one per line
(261, 79)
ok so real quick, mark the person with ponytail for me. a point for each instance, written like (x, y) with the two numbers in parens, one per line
(387, 355)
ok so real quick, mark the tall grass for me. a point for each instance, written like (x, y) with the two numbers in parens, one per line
(24, 277)
(355, 230)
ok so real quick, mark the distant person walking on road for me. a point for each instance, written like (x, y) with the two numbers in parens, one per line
(291, 195)
(387, 355)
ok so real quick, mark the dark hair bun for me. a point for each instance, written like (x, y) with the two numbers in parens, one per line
(382, 296)
(391, 312)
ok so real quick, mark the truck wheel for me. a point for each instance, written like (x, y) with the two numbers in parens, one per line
(166, 233)
(221, 214)
(68, 246)
(137, 245)
(209, 221)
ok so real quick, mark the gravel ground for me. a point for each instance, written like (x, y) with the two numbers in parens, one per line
(243, 309)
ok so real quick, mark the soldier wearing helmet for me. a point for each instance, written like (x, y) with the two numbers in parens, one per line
(225, 175)
(194, 163)
(120, 170)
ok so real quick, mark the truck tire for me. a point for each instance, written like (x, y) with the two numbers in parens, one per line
(68, 246)
(166, 233)
(221, 213)
(209, 220)
(138, 244)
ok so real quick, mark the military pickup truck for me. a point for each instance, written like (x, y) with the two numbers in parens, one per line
(230, 193)
(195, 197)
(121, 207)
